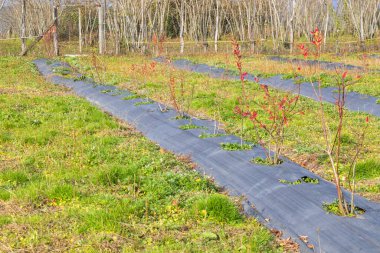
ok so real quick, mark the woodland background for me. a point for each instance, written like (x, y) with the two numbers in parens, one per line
(130, 25)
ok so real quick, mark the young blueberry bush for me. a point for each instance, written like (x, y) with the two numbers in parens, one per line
(243, 97)
(178, 92)
(333, 130)
(276, 112)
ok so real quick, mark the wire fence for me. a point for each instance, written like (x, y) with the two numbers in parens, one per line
(266, 47)
(12, 47)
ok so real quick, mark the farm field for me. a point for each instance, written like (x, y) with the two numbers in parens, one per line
(75, 179)
(190, 126)
(216, 99)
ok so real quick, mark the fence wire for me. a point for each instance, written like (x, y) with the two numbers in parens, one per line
(12, 46)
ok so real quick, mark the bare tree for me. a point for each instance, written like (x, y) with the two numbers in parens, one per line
(133, 23)
(2, 4)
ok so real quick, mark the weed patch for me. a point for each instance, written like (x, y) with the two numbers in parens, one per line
(191, 126)
(4, 220)
(206, 135)
(262, 161)
(4, 195)
(304, 179)
(217, 207)
(64, 71)
(134, 96)
(333, 208)
(235, 146)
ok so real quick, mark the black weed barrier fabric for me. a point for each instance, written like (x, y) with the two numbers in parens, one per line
(322, 64)
(296, 210)
(354, 102)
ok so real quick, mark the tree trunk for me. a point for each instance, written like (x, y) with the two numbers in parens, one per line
(291, 25)
(362, 35)
(182, 25)
(216, 37)
(326, 24)
(23, 26)
(80, 29)
(55, 31)
(117, 33)
(101, 29)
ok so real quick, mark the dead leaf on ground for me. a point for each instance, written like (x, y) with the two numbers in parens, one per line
(304, 238)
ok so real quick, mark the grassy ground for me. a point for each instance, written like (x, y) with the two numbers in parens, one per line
(74, 179)
(213, 98)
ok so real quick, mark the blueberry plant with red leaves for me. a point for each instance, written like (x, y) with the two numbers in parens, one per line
(181, 95)
(304, 50)
(333, 135)
(243, 97)
(275, 114)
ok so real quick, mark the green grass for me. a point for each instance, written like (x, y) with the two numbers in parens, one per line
(217, 207)
(74, 179)
(368, 169)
